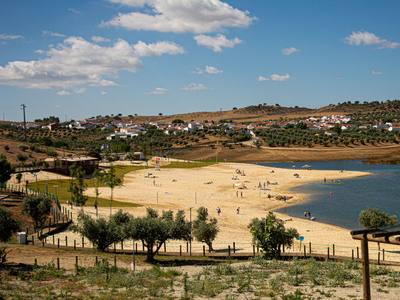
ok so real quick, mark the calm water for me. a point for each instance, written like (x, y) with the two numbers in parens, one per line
(380, 190)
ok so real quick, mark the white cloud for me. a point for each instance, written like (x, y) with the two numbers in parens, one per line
(213, 70)
(288, 51)
(180, 16)
(39, 51)
(79, 91)
(376, 73)
(339, 78)
(275, 77)
(53, 33)
(63, 93)
(74, 10)
(103, 93)
(209, 70)
(76, 62)
(199, 71)
(260, 78)
(195, 87)
(215, 43)
(98, 39)
(142, 49)
(158, 91)
(9, 37)
(367, 38)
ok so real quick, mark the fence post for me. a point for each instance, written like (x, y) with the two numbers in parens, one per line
(358, 256)
(96, 261)
(352, 254)
(165, 247)
(180, 250)
(74, 244)
(383, 254)
(305, 253)
(187, 246)
(76, 260)
(122, 245)
(66, 241)
(309, 245)
(379, 258)
(333, 250)
(234, 247)
(83, 242)
(115, 247)
(53, 239)
(33, 240)
(254, 251)
(58, 263)
(204, 250)
(58, 243)
(115, 261)
(35, 261)
(143, 245)
(229, 251)
(136, 247)
(328, 254)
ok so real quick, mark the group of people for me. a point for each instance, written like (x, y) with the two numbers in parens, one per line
(219, 210)
(237, 194)
(309, 215)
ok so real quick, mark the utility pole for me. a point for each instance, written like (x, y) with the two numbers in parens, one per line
(23, 107)
(220, 110)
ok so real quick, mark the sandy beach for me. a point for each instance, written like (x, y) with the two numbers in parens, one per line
(214, 186)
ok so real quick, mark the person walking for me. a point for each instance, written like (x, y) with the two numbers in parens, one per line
(218, 210)
(241, 194)
(305, 215)
(309, 215)
(238, 209)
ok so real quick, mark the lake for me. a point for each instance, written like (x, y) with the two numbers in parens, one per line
(381, 190)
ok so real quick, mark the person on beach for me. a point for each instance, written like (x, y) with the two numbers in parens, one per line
(218, 210)
(237, 194)
(238, 209)
(241, 194)
(309, 215)
(324, 180)
(305, 215)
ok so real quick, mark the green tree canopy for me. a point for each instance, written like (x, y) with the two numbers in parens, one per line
(102, 232)
(8, 225)
(372, 218)
(36, 207)
(177, 121)
(77, 189)
(154, 230)
(270, 234)
(5, 169)
(205, 228)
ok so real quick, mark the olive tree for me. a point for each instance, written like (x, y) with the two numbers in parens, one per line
(372, 218)
(102, 232)
(77, 189)
(270, 234)
(5, 169)
(8, 225)
(205, 228)
(36, 207)
(154, 230)
(112, 181)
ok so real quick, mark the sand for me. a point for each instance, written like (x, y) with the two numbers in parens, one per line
(213, 187)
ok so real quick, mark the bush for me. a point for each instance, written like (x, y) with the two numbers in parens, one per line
(22, 158)
(8, 225)
(23, 147)
(51, 152)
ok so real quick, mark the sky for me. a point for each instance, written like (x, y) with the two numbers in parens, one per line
(78, 59)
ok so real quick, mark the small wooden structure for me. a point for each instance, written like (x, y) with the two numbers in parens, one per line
(387, 234)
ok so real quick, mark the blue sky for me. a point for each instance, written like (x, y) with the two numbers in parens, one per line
(78, 59)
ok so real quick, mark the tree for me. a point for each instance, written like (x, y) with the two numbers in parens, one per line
(112, 181)
(5, 169)
(22, 158)
(102, 232)
(8, 225)
(373, 218)
(79, 187)
(18, 177)
(99, 175)
(204, 228)
(36, 207)
(337, 128)
(177, 121)
(269, 234)
(154, 230)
